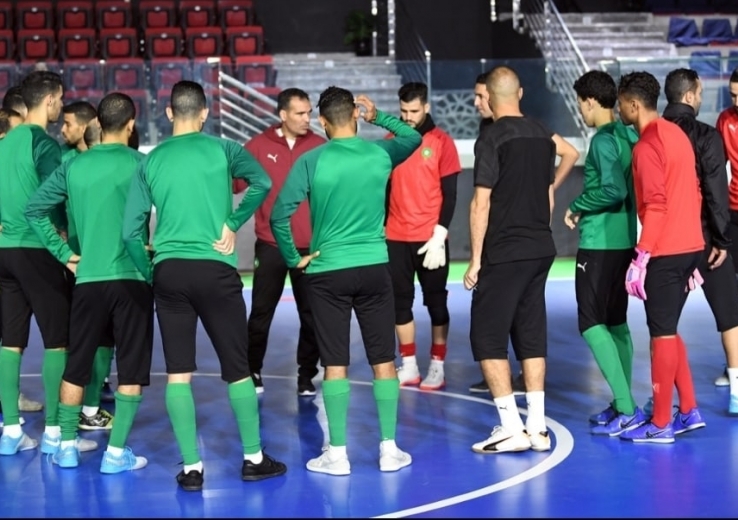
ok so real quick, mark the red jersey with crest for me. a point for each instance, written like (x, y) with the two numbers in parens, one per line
(667, 191)
(415, 194)
(727, 125)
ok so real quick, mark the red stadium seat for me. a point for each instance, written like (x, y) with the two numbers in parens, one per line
(141, 100)
(6, 16)
(82, 75)
(28, 66)
(31, 14)
(235, 13)
(119, 43)
(125, 74)
(8, 74)
(157, 13)
(91, 96)
(36, 44)
(244, 41)
(75, 44)
(74, 14)
(7, 45)
(255, 70)
(162, 43)
(165, 72)
(113, 14)
(196, 13)
(203, 42)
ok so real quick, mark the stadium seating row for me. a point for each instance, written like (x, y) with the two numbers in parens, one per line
(692, 6)
(715, 31)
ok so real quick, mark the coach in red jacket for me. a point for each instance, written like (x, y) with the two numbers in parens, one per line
(277, 149)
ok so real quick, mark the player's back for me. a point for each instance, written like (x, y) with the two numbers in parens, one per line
(98, 183)
(27, 156)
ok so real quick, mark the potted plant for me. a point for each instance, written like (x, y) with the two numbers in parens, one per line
(359, 28)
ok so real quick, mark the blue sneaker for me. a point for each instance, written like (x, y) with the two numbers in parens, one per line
(66, 458)
(12, 445)
(620, 424)
(649, 432)
(686, 422)
(648, 407)
(126, 462)
(604, 417)
(733, 405)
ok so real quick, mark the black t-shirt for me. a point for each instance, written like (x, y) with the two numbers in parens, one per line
(515, 157)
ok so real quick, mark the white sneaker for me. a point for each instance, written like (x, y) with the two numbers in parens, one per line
(408, 374)
(84, 445)
(330, 463)
(392, 458)
(540, 441)
(501, 441)
(27, 405)
(435, 378)
(722, 379)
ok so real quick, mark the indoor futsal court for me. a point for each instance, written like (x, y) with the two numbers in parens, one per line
(582, 476)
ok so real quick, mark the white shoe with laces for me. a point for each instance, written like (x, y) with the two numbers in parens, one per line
(408, 374)
(502, 441)
(435, 380)
(330, 463)
(392, 458)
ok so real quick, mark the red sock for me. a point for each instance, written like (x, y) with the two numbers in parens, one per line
(407, 350)
(684, 383)
(664, 363)
(438, 351)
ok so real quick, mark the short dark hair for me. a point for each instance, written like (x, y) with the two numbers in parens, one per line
(642, 86)
(597, 85)
(188, 99)
(133, 140)
(336, 105)
(412, 91)
(82, 110)
(734, 76)
(482, 78)
(115, 111)
(93, 134)
(4, 121)
(287, 95)
(39, 84)
(13, 99)
(678, 82)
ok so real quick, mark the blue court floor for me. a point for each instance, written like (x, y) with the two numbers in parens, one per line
(583, 476)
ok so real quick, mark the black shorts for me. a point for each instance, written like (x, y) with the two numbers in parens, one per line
(367, 291)
(185, 290)
(509, 304)
(721, 291)
(405, 263)
(600, 287)
(32, 282)
(126, 306)
(106, 340)
(666, 291)
(733, 232)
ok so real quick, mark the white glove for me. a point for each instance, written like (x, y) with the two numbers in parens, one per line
(435, 249)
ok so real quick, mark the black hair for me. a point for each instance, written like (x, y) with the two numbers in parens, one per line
(336, 105)
(115, 111)
(284, 97)
(412, 91)
(642, 86)
(39, 84)
(82, 110)
(597, 85)
(678, 82)
(13, 100)
(188, 99)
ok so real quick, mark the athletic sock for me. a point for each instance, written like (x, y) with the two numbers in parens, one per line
(387, 397)
(683, 379)
(509, 414)
(245, 405)
(663, 374)
(536, 421)
(336, 393)
(605, 352)
(407, 350)
(51, 372)
(69, 420)
(438, 351)
(181, 409)
(10, 367)
(624, 343)
(100, 369)
(126, 407)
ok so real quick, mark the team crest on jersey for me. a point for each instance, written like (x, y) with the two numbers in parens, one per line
(256, 263)
(426, 153)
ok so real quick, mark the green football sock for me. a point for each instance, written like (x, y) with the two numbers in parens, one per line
(245, 406)
(126, 407)
(181, 409)
(606, 354)
(336, 393)
(387, 396)
(69, 420)
(100, 370)
(51, 372)
(10, 367)
(624, 342)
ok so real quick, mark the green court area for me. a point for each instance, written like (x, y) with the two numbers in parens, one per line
(562, 269)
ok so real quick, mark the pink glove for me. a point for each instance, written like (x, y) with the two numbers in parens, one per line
(695, 280)
(635, 278)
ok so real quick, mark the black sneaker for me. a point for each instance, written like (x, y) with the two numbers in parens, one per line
(102, 420)
(268, 468)
(479, 388)
(258, 384)
(305, 386)
(191, 481)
